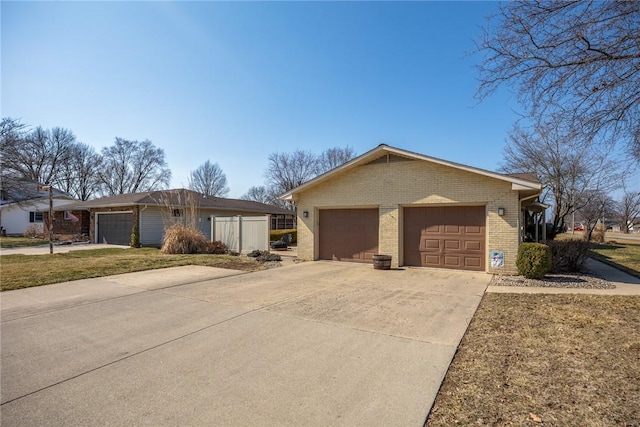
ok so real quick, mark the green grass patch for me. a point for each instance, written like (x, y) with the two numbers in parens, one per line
(553, 360)
(625, 257)
(21, 242)
(23, 271)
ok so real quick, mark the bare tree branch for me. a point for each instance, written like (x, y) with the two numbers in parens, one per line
(133, 166)
(579, 60)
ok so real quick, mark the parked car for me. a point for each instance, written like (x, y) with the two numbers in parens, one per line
(578, 227)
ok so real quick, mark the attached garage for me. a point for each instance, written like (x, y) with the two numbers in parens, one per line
(348, 234)
(445, 237)
(421, 211)
(114, 228)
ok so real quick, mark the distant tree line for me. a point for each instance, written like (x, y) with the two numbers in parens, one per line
(55, 157)
(286, 171)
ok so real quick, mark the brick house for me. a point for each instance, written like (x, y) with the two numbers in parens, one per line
(421, 210)
(111, 219)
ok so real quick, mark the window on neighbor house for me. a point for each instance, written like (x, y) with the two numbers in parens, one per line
(36, 216)
(177, 212)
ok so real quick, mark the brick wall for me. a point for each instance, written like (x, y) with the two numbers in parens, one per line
(391, 186)
(66, 227)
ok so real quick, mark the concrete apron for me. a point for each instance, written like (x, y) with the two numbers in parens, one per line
(317, 343)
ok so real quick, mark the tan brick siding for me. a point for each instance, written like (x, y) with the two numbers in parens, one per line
(390, 187)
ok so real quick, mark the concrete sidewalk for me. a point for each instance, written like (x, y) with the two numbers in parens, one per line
(625, 283)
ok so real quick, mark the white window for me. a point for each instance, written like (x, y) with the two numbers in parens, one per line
(35, 216)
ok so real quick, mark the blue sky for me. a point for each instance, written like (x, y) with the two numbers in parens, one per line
(234, 82)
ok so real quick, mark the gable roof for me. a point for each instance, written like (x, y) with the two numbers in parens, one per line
(520, 182)
(179, 197)
(29, 192)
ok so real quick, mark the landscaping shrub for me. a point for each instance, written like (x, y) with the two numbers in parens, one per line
(179, 239)
(277, 235)
(256, 253)
(264, 256)
(534, 260)
(134, 242)
(569, 255)
(32, 231)
(217, 247)
(269, 257)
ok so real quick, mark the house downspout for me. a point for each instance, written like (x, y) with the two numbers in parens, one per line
(140, 222)
(520, 216)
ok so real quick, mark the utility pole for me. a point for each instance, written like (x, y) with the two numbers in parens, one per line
(50, 188)
(51, 219)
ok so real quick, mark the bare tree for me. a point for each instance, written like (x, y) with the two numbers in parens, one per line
(579, 60)
(12, 133)
(628, 209)
(209, 180)
(261, 194)
(37, 156)
(289, 170)
(573, 170)
(79, 175)
(597, 206)
(331, 158)
(133, 166)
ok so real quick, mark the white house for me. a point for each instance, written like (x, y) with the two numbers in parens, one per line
(16, 216)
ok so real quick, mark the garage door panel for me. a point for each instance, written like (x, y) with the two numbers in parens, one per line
(445, 237)
(451, 229)
(348, 234)
(472, 245)
(430, 244)
(473, 262)
(452, 245)
(115, 228)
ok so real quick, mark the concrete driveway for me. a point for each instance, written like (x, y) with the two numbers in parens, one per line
(319, 343)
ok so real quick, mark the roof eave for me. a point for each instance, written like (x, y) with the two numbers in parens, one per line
(366, 157)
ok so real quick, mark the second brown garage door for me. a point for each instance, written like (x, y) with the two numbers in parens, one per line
(445, 237)
(348, 234)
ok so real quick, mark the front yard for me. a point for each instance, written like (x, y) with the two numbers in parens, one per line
(23, 271)
(21, 242)
(552, 360)
(549, 360)
(525, 359)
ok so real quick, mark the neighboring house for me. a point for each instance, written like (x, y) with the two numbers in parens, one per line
(421, 210)
(111, 219)
(19, 211)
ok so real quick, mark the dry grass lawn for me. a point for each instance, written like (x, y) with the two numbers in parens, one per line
(552, 360)
(23, 271)
(21, 242)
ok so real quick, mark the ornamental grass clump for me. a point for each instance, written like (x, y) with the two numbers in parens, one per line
(179, 239)
(534, 260)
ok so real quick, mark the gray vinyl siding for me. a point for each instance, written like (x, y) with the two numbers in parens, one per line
(151, 227)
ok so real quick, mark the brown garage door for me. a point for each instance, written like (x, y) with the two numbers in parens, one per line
(445, 237)
(348, 234)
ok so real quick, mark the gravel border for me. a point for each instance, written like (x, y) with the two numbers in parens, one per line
(585, 280)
